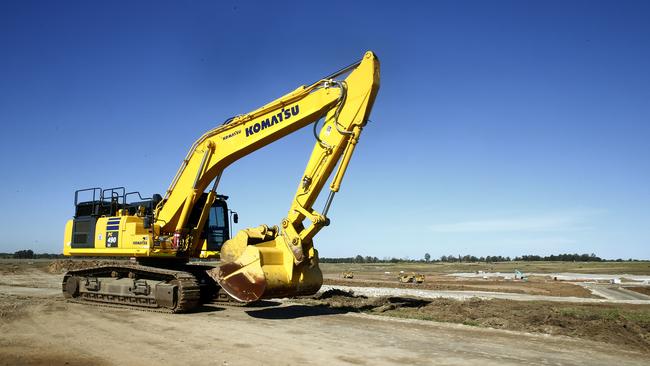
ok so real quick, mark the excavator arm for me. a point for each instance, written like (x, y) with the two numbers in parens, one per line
(267, 261)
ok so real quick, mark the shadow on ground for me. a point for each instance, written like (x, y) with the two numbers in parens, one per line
(293, 312)
(336, 302)
(208, 309)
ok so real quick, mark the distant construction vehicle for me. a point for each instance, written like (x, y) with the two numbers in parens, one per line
(411, 278)
(349, 275)
(519, 275)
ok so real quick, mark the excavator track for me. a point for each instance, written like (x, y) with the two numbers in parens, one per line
(134, 287)
(223, 299)
(211, 293)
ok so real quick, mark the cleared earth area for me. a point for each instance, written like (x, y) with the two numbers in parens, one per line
(534, 286)
(37, 326)
(621, 325)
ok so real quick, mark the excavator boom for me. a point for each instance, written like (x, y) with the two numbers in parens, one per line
(286, 262)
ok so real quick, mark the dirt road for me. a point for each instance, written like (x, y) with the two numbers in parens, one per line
(52, 331)
(562, 276)
(39, 327)
(615, 292)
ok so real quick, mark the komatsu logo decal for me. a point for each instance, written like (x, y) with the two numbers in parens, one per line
(232, 134)
(269, 122)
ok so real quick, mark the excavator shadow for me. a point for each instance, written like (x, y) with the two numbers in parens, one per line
(216, 306)
(207, 308)
(337, 301)
(263, 304)
(293, 312)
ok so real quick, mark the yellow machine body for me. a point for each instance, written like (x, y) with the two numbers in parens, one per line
(114, 236)
(125, 236)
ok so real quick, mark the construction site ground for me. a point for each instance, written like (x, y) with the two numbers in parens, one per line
(534, 286)
(37, 326)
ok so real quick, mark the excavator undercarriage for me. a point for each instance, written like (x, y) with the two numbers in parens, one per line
(147, 288)
(168, 290)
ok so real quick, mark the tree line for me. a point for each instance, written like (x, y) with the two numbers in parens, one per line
(524, 258)
(567, 257)
(29, 254)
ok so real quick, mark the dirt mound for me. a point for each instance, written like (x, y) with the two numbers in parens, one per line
(336, 292)
(614, 324)
(347, 300)
(63, 265)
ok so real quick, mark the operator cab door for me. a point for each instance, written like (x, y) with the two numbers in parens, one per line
(217, 228)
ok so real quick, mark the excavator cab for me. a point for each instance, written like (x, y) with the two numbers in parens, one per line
(217, 228)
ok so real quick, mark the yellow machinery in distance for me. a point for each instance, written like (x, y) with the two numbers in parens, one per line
(257, 263)
(411, 278)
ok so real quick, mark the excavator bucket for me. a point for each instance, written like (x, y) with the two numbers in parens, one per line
(266, 270)
(244, 278)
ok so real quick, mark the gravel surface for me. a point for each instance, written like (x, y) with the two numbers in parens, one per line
(465, 295)
(562, 276)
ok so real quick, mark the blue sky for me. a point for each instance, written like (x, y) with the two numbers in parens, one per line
(501, 128)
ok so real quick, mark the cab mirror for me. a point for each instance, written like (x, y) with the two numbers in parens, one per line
(235, 218)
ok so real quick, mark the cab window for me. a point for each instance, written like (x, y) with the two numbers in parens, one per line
(217, 230)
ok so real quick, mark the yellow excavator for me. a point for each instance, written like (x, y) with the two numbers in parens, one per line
(162, 233)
